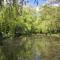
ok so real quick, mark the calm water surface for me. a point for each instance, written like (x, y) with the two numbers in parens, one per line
(33, 47)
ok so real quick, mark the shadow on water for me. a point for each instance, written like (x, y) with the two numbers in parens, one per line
(34, 47)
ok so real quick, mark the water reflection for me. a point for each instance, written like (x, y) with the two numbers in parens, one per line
(34, 47)
(37, 57)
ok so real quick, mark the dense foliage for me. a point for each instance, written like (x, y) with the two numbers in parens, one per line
(11, 22)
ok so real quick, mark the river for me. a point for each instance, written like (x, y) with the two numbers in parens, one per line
(31, 47)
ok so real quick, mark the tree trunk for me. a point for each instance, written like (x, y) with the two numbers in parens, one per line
(14, 2)
(1, 2)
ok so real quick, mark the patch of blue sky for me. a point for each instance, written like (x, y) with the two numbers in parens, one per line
(34, 4)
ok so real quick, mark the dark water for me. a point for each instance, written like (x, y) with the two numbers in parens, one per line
(33, 47)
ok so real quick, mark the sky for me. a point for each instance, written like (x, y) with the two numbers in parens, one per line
(41, 2)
